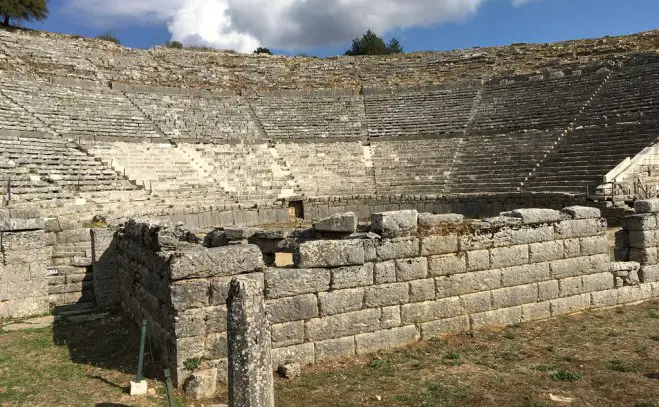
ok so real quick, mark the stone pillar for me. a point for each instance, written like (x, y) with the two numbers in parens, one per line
(248, 338)
(104, 262)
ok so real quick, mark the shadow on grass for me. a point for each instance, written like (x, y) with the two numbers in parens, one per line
(111, 405)
(110, 342)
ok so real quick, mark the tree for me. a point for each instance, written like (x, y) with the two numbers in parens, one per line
(23, 10)
(174, 44)
(371, 44)
(109, 36)
(262, 50)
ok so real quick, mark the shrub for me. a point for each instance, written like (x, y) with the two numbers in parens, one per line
(566, 376)
(371, 44)
(109, 36)
(262, 50)
(174, 44)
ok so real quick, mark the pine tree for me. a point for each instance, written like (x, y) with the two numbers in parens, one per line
(371, 44)
(25, 10)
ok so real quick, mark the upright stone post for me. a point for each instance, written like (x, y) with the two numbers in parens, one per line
(248, 338)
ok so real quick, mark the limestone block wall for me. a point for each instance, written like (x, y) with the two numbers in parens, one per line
(23, 269)
(180, 288)
(639, 240)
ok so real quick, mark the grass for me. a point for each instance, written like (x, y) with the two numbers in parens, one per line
(91, 364)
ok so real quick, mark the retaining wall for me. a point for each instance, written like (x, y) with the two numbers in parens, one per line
(410, 277)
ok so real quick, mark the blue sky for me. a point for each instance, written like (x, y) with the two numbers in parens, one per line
(453, 24)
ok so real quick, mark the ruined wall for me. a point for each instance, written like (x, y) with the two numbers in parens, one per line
(405, 277)
(638, 240)
(24, 254)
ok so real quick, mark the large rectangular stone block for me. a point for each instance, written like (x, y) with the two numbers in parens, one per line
(598, 282)
(478, 260)
(570, 286)
(334, 348)
(477, 302)
(187, 294)
(548, 290)
(216, 262)
(341, 301)
(568, 305)
(287, 334)
(390, 317)
(509, 256)
(536, 311)
(411, 269)
(511, 296)
(646, 206)
(303, 354)
(639, 292)
(641, 239)
(395, 223)
(388, 338)
(468, 283)
(447, 264)
(571, 247)
(607, 298)
(422, 290)
(582, 212)
(525, 274)
(546, 251)
(448, 326)
(385, 272)
(649, 274)
(398, 248)
(352, 276)
(646, 221)
(579, 228)
(291, 282)
(571, 267)
(301, 307)
(500, 317)
(431, 310)
(386, 295)
(337, 326)
(329, 253)
(594, 245)
(645, 256)
(431, 245)
(532, 235)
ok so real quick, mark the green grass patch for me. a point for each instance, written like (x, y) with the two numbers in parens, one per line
(655, 338)
(544, 368)
(566, 376)
(646, 404)
(620, 366)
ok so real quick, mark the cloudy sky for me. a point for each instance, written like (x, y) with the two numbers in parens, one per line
(325, 27)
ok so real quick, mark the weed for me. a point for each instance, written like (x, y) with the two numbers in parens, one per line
(646, 404)
(653, 314)
(451, 359)
(403, 398)
(655, 338)
(620, 366)
(191, 364)
(509, 335)
(453, 355)
(566, 376)
(544, 368)
(378, 363)
(109, 36)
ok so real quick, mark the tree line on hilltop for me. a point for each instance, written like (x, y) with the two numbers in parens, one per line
(30, 10)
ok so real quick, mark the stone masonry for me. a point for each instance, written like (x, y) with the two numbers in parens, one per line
(418, 276)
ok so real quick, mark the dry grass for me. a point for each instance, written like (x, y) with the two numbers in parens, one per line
(604, 358)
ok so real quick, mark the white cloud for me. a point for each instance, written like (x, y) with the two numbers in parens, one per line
(285, 24)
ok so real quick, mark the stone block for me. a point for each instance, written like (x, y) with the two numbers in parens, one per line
(351, 277)
(649, 274)
(448, 326)
(187, 294)
(645, 256)
(395, 223)
(290, 282)
(635, 293)
(287, 334)
(641, 239)
(569, 305)
(500, 317)
(571, 247)
(439, 244)
(390, 317)
(511, 296)
(468, 283)
(607, 298)
(334, 348)
(216, 346)
(429, 221)
(548, 290)
(579, 228)
(526, 274)
(341, 301)
(509, 256)
(386, 295)
(301, 307)
(478, 260)
(599, 263)
(303, 354)
(646, 221)
(477, 302)
(411, 269)
(387, 338)
(385, 272)
(340, 223)
(546, 251)
(535, 216)
(646, 206)
(598, 282)
(571, 267)
(447, 264)
(216, 262)
(398, 248)
(431, 310)
(337, 326)
(534, 234)
(536, 311)
(329, 253)
(191, 322)
(422, 290)
(582, 212)
(570, 286)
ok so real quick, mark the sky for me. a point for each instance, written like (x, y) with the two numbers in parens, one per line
(326, 27)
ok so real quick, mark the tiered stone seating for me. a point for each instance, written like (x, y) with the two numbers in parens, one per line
(420, 111)
(621, 121)
(195, 115)
(498, 162)
(329, 169)
(413, 166)
(537, 102)
(43, 169)
(14, 117)
(249, 172)
(79, 110)
(310, 115)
